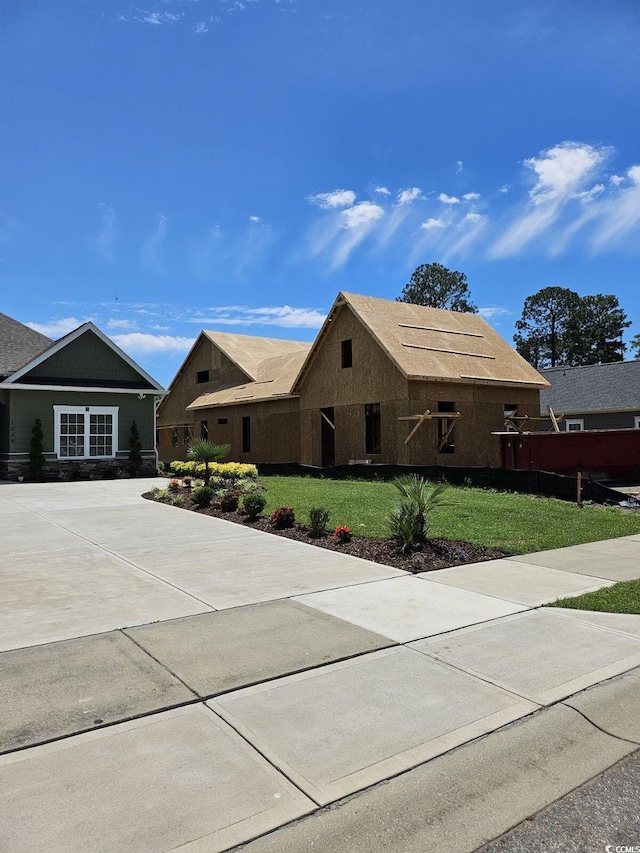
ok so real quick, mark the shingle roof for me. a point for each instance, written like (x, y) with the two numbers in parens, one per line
(429, 343)
(594, 388)
(272, 363)
(18, 344)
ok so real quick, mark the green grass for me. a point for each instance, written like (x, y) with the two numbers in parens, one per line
(623, 597)
(514, 523)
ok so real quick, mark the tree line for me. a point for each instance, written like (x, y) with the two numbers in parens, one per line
(558, 327)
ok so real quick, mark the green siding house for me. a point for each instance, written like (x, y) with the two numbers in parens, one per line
(86, 391)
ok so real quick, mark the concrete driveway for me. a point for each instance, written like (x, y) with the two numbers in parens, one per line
(175, 681)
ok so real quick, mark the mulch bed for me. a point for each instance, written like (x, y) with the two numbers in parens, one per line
(434, 554)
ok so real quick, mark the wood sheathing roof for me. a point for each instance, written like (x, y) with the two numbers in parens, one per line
(273, 365)
(432, 344)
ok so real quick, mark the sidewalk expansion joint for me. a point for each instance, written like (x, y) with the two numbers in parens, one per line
(159, 662)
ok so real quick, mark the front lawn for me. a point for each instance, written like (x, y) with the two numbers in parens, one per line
(623, 597)
(514, 523)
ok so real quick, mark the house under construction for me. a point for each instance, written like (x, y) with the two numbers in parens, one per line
(384, 382)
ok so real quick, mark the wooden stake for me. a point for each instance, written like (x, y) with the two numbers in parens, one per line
(417, 426)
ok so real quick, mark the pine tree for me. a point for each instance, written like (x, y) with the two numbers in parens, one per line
(135, 450)
(36, 455)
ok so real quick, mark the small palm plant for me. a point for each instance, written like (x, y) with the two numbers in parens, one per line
(203, 451)
(407, 522)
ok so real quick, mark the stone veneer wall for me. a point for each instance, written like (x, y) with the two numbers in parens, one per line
(76, 469)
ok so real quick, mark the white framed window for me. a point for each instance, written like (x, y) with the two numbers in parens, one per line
(85, 432)
(636, 419)
(574, 424)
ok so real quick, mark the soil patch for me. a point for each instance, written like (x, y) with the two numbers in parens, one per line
(434, 554)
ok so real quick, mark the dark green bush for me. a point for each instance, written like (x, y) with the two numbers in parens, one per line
(318, 521)
(253, 503)
(36, 455)
(135, 450)
(203, 495)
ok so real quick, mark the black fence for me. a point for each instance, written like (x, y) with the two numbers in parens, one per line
(502, 479)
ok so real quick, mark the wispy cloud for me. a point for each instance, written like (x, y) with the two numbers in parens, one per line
(490, 312)
(200, 28)
(122, 323)
(561, 173)
(151, 249)
(255, 219)
(284, 316)
(471, 196)
(459, 167)
(105, 240)
(448, 199)
(156, 18)
(383, 190)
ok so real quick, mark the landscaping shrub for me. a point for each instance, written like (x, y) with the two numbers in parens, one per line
(204, 452)
(284, 516)
(407, 522)
(342, 534)
(318, 521)
(160, 494)
(135, 450)
(224, 470)
(177, 500)
(229, 502)
(253, 503)
(160, 468)
(36, 454)
(174, 486)
(202, 496)
(187, 482)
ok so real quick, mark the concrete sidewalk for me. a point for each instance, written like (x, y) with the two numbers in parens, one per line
(175, 681)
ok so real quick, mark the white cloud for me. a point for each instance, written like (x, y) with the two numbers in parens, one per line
(200, 28)
(57, 328)
(471, 196)
(474, 218)
(363, 214)
(284, 316)
(505, 188)
(409, 195)
(334, 199)
(143, 343)
(383, 190)
(616, 180)
(561, 172)
(492, 311)
(448, 199)
(255, 219)
(459, 167)
(122, 323)
(429, 224)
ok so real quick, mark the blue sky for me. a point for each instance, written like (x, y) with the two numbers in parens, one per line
(184, 164)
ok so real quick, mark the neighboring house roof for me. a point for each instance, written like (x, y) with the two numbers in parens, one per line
(609, 387)
(274, 377)
(429, 343)
(18, 344)
(147, 383)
